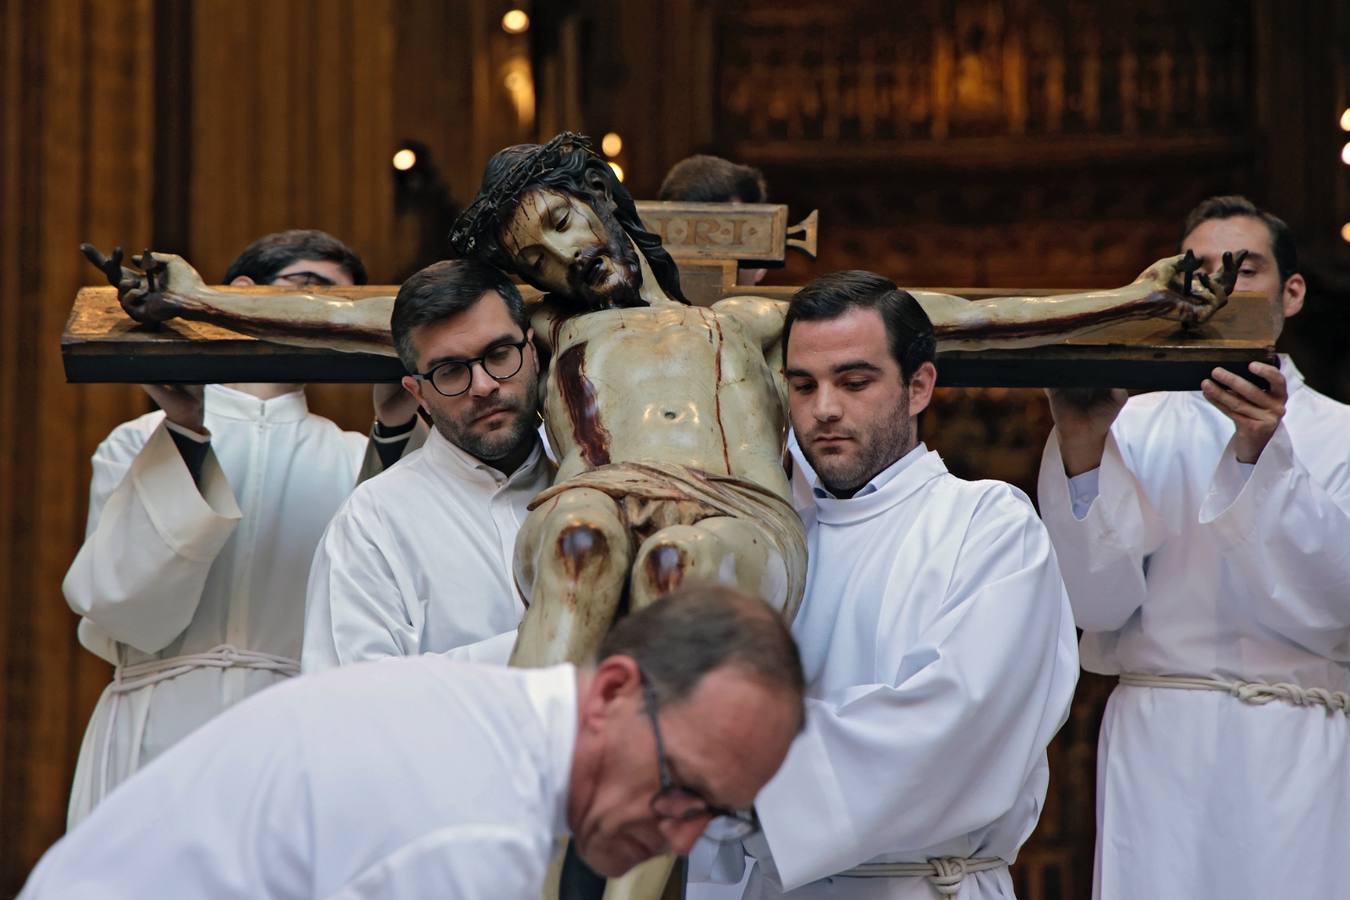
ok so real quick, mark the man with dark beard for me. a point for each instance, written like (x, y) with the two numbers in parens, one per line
(936, 636)
(418, 559)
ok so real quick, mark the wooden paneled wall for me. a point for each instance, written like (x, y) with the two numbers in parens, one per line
(291, 125)
(76, 159)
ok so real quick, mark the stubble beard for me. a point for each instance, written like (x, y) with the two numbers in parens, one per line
(878, 448)
(501, 442)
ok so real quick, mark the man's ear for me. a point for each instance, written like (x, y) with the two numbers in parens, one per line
(414, 387)
(242, 281)
(1295, 289)
(921, 385)
(614, 683)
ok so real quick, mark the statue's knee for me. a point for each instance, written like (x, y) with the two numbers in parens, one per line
(581, 546)
(670, 557)
(665, 566)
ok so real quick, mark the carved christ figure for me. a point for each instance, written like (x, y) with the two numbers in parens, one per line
(668, 420)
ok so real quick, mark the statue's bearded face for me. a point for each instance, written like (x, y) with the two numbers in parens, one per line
(568, 246)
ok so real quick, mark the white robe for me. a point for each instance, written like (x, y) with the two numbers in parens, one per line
(940, 660)
(1183, 566)
(417, 778)
(168, 569)
(419, 559)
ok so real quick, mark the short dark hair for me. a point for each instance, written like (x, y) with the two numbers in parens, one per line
(701, 627)
(908, 329)
(444, 289)
(269, 254)
(712, 179)
(1229, 206)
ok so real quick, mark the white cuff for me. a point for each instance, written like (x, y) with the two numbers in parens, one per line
(200, 437)
(195, 525)
(405, 432)
(1083, 489)
(1237, 490)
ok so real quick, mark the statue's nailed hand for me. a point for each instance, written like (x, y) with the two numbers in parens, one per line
(118, 276)
(141, 293)
(1185, 292)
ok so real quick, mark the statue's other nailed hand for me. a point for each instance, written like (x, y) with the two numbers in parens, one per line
(1186, 293)
(139, 292)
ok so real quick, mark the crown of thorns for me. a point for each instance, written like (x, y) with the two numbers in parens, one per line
(484, 216)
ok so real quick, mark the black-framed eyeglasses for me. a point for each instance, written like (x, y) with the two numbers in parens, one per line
(453, 377)
(682, 804)
(304, 278)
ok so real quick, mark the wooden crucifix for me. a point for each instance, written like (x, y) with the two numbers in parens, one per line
(102, 343)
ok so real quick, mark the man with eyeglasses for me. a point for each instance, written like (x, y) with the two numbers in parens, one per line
(203, 517)
(427, 778)
(418, 560)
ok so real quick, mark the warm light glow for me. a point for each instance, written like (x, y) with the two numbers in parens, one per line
(1345, 119)
(405, 159)
(516, 21)
(1345, 232)
(618, 170)
(519, 86)
(1345, 153)
(612, 144)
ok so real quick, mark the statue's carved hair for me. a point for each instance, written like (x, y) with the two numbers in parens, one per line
(1229, 206)
(563, 164)
(909, 332)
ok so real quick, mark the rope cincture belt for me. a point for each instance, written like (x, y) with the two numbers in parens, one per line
(140, 675)
(133, 677)
(1258, 693)
(943, 872)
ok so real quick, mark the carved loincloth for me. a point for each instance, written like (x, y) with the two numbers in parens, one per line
(655, 495)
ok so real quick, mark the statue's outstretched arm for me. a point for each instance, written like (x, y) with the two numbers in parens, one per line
(166, 287)
(1171, 288)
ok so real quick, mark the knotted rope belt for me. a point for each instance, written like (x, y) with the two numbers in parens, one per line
(944, 872)
(1258, 693)
(140, 675)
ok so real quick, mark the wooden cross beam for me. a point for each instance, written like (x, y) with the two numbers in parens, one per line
(101, 344)
(710, 241)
